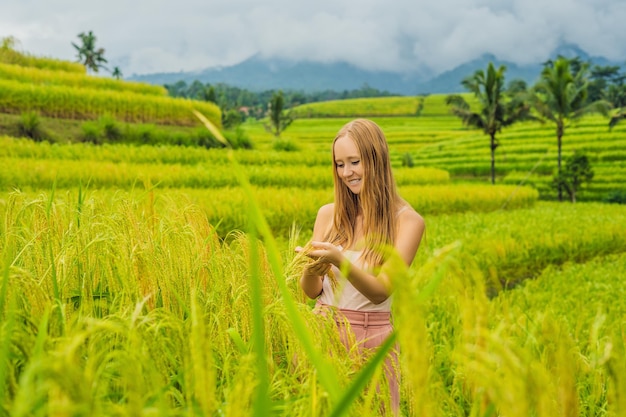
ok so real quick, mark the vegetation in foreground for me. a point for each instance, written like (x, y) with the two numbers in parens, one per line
(107, 306)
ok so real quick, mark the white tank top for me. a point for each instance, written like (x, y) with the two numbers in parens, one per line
(349, 297)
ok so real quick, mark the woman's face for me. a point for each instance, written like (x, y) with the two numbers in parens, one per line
(348, 163)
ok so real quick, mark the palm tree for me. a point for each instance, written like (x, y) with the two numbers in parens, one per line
(561, 96)
(116, 73)
(88, 55)
(496, 110)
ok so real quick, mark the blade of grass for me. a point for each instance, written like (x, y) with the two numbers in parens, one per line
(261, 404)
(5, 344)
(237, 340)
(211, 127)
(325, 371)
(364, 375)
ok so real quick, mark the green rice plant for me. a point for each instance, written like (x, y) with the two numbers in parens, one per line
(111, 128)
(29, 126)
(143, 279)
(73, 103)
(39, 173)
(9, 55)
(510, 252)
(75, 79)
(92, 133)
(284, 144)
(585, 346)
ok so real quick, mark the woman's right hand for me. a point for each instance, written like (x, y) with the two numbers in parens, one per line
(313, 267)
(317, 268)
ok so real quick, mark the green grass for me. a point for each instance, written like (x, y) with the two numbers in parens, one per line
(112, 300)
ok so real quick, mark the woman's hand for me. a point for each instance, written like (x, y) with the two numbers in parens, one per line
(325, 252)
(317, 268)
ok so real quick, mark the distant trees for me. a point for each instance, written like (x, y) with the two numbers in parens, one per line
(608, 83)
(87, 53)
(496, 110)
(254, 103)
(561, 95)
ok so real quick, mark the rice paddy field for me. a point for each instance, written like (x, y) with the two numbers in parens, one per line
(162, 281)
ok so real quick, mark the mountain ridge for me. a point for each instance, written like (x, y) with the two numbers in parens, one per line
(259, 74)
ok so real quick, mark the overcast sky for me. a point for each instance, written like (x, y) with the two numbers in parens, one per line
(423, 36)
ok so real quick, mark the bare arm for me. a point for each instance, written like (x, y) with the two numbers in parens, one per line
(377, 288)
(312, 275)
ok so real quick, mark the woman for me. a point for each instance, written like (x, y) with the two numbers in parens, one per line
(367, 214)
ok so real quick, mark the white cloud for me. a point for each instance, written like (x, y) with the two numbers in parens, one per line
(413, 35)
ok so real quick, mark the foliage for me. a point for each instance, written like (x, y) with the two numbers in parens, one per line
(577, 172)
(92, 133)
(75, 103)
(278, 118)
(617, 197)
(29, 126)
(606, 82)
(87, 54)
(495, 112)
(9, 55)
(111, 128)
(117, 73)
(284, 144)
(254, 104)
(48, 77)
(420, 104)
(232, 118)
(149, 281)
(615, 118)
(561, 95)
(238, 138)
(407, 160)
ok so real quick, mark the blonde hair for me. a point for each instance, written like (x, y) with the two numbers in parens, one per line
(378, 200)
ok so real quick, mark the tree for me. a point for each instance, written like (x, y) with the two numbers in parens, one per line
(577, 172)
(560, 96)
(600, 78)
(497, 110)
(9, 42)
(117, 73)
(209, 94)
(88, 55)
(279, 120)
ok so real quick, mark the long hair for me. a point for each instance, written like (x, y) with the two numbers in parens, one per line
(378, 200)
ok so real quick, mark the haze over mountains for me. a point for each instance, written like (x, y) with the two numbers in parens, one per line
(258, 74)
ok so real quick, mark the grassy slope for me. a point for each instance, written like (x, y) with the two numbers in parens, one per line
(527, 152)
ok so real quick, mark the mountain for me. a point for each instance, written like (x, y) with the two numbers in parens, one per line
(258, 74)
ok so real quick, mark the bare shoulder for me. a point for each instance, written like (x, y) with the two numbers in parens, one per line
(326, 211)
(410, 222)
(410, 226)
(324, 220)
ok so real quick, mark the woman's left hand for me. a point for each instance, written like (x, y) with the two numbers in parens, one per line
(326, 252)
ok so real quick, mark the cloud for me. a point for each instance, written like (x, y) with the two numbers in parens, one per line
(420, 36)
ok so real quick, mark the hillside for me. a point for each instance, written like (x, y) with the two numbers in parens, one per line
(55, 100)
(434, 138)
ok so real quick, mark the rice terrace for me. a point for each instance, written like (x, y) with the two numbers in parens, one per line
(148, 269)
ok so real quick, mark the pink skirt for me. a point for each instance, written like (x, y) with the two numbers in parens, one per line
(368, 330)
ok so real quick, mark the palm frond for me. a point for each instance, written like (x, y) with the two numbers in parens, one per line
(615, 119)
